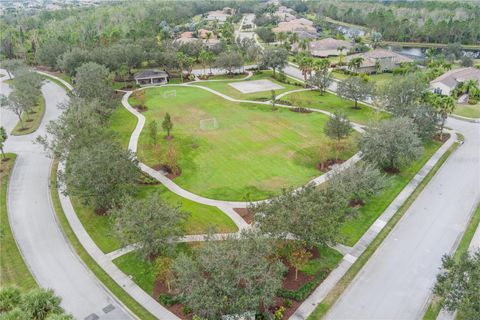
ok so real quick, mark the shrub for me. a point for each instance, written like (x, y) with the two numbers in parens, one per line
(168, 300)
(472, 101)
(303, 292)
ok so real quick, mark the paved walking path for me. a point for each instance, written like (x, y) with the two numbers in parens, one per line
(48, 255)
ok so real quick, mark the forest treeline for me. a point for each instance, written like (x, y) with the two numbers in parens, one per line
(410, 21)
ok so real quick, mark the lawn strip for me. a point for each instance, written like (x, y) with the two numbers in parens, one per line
(13, 270)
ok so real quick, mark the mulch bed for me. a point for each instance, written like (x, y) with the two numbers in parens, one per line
(160, 288)
(140, 108)
(327, 165)
(246, 214)
(300, 110)
(445, 137)
(170, 175)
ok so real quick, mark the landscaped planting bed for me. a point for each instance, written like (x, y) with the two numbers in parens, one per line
(251, 153)
(293, 293)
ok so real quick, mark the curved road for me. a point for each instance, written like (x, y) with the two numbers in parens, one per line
(46, 251)
(396, 282)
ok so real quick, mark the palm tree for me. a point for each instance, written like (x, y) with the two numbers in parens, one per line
(281, 37)
(429, 53)
(305, 64)
(304, 43)
(445, 106)
(321, 64)
(181, 60)
(355, 64)
(294, 38)
(203, 59)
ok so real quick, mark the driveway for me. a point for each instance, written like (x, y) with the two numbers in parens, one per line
(396, 282)
(45, 249)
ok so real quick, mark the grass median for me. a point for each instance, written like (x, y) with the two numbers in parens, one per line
(30, 120)
(344, 282)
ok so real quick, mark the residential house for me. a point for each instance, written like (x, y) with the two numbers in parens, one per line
(220, 16)
(378, 60)
(284, 14)
(301, 24)
(151, 77)
(448, 81)
(329, 47)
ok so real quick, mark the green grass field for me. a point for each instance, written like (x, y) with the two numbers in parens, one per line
(32, 120)
(353, 229)
(253, 154)
(202, 218)
(225, 88)
(13, 270)
(332, 103)
(378, 79)
(467, 110)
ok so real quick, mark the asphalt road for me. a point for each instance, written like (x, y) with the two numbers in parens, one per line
(46, 251)
(396, 282)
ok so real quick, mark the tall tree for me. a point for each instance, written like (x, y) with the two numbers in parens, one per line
(360, 182)
(154, 226)
(355, 89)
(229, 61)
(92, 83)
(445, 106)
(305, 64)
(321, 79)
(458, 284)
(310, 214)
(229, 277)
(153, 132)
(338, 127)
(3, 139)
(100, 174)
(167, 124)
(274, 58)
(391, 144)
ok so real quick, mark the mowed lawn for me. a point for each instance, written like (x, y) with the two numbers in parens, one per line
(252, 155)
(467, 110)
(225, 88)
(332, 103)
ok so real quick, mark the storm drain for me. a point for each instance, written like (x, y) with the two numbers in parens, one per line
(109, 308)
(93, 316)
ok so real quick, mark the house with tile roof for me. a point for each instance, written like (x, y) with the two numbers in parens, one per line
(448, 81)
(329, 47)
(378, 60)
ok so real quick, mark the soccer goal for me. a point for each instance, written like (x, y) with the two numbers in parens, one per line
(208, 124)
(170, 94)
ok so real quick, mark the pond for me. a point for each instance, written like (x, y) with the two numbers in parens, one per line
(419, 53)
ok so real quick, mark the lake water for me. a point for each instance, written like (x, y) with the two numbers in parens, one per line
(419, 53)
